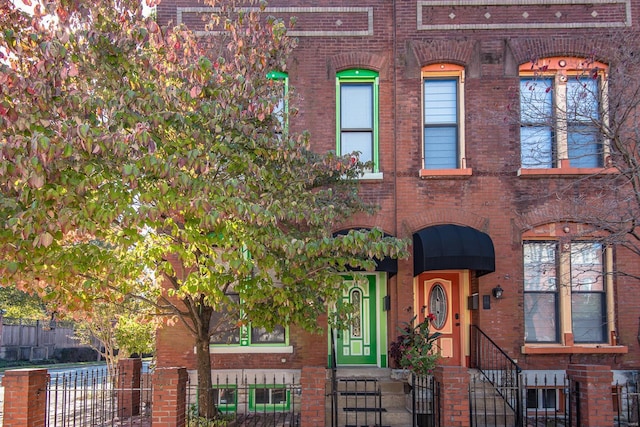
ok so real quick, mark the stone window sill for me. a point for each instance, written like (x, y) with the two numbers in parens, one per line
(445, 173)
(237, 349)
(564, 172)
(371, 176)
(574, 349)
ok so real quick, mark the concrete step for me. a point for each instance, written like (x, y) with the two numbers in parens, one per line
(393, 418)
(366, 395)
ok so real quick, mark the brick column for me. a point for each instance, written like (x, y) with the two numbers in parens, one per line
(169, 397)
(313, 380)
(128, 393)
(594, 394)
(25, 397)
(452, 384)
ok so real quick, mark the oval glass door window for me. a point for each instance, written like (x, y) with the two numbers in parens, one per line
(438, 305)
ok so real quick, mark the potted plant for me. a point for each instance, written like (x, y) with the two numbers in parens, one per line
(415, 349)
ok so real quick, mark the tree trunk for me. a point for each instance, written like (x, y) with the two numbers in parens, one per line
(206, 403)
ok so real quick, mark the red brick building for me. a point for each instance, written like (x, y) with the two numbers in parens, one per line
(426, 89)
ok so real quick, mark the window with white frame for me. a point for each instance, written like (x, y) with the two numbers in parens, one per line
(561, 110)
(357, 114)
(226, 397)
(281, 111)
(443, 111)
(565, 291)
(545, 399)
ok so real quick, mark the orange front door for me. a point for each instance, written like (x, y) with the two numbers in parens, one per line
(439, 294)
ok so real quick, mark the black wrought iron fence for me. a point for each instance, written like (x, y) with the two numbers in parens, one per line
(425, 394)
(258, 401)
(499, 369)
(626, 404)
(549, 400)
(97, 397)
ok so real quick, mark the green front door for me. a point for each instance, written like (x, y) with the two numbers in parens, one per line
(358, 344)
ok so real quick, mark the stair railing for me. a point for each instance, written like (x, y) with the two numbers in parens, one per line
(333, 365)
(499, 369)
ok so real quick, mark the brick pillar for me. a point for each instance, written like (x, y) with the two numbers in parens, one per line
(452, 384)
(594, 396)
(25, 397)
(313, 380)
(128, 390)
(169, 397)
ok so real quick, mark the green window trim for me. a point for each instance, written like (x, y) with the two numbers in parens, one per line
(242, 335)
(253, 405)
(362, 77)
(245, 339)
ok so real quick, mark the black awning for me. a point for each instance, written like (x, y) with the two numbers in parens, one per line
(387, 264)
(453, 247)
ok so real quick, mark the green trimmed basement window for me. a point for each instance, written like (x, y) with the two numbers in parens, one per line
(269, 397)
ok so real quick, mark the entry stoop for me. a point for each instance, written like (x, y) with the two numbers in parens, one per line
(488, 407)
(368, 397)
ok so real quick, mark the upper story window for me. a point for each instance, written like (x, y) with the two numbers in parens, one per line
(442, 118)
(357, 114)
(562, 104)
(281, 111)
(565, 292)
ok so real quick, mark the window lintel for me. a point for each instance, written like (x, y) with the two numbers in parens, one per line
(357, 74)
(445, 69)
(553, 64)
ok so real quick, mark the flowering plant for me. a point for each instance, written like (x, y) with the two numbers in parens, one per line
(415, 348)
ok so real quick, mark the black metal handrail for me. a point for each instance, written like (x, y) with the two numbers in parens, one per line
(333, 364)
(498, 368)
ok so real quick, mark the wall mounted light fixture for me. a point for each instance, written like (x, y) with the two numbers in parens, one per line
(497, 292)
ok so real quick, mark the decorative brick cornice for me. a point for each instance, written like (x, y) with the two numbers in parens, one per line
(356, 59)
(455, 15)
(529, 49)
(443, 50)
(360, 225)
(547, 214)
(443, 216)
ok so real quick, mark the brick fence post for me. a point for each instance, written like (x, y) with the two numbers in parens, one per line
(594, 394)
(312, 381)
(128, 390)
(169, 397)
(25, 397)
(452, 383)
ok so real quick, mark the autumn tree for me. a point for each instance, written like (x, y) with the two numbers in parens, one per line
(117, 330)
(21, 305)
(143, 161)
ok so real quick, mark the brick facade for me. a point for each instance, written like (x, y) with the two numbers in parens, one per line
(25, 397)
(593, 385)
(169, 397)
(129, 388)
(453, 386)
(397, 39)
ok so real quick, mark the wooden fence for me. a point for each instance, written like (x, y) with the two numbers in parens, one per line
(23, 339)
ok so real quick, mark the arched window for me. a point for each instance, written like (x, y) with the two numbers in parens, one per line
(443, 117)
(562, 109)
(357, 114)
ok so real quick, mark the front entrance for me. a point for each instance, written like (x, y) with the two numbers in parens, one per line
(358, 345)
(439, 294)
